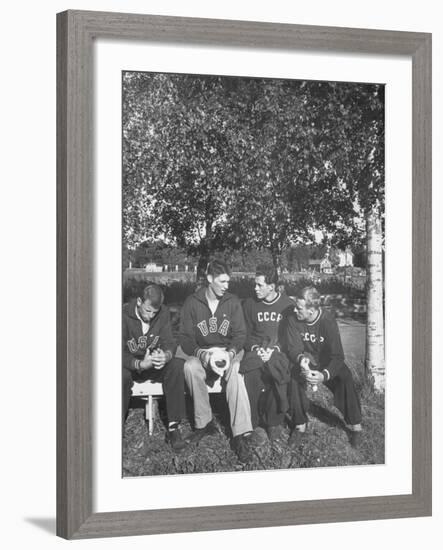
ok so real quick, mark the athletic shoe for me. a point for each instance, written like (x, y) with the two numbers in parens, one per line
(242, 449)
(276, 433)
(199, 433)
(176, 441)
(355, 439)
(258, 437)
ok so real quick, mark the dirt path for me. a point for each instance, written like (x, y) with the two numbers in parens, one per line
(353, 335)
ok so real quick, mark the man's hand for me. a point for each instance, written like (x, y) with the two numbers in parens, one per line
(312, 377)
(265, 354)
(304, 363)
(159, 359)
(146, 363)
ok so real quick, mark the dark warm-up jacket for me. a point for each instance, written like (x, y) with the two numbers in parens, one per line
(200, 330)
(263, 321)
(135, 343)
(321, 339)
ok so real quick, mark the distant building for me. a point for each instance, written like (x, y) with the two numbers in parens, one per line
(323, 266)
(153, 268)
(345, 258)
(314, 264)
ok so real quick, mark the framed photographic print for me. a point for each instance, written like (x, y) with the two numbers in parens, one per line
(181, 141)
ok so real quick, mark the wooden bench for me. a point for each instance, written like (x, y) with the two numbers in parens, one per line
(149, 390)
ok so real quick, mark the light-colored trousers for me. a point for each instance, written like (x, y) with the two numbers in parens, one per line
(236, 394)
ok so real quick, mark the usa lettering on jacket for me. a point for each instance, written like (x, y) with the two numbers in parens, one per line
(141, 343)
(264, 316)
(213, 327)
(309, 337)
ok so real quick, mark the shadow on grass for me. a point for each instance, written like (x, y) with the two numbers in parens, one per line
(326, 416)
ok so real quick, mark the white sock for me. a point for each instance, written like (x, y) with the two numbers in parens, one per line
(354, 427)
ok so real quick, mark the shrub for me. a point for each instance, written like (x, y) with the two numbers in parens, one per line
(177, 291)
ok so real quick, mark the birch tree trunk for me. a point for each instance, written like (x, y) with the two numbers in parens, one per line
(375, 340)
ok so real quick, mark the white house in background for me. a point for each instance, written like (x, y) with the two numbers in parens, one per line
(345, 258)
(324, 265)
(153, 268)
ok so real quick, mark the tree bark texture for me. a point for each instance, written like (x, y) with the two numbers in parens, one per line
(375, 339)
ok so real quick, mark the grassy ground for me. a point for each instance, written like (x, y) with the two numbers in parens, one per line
(326, 443)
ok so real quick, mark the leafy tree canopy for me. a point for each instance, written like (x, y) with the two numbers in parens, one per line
(214, 163)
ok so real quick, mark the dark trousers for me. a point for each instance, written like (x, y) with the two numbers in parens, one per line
(263, 398)
(345, 397)
(172, 378)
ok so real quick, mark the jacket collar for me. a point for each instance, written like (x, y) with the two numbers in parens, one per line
(200, 294)
(320, 313)
(132, 314)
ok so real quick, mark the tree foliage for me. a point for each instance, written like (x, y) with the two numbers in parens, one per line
(213, 163)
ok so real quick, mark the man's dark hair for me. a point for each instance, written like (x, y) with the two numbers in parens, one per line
(216, 268)
(154, 294)
(310, 295)
(269, 272)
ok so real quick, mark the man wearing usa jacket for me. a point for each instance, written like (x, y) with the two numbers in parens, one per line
(212, 334)
(148, 353)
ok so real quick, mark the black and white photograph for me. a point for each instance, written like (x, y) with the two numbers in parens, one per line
(253, 287)
(225, 213)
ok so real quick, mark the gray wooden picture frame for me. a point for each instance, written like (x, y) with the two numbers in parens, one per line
(76, 32)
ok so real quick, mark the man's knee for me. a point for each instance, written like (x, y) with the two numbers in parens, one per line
(174, 369)
(232, 376)
(345, 375)
(193, 368)
(253, 378)
(234, 367)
